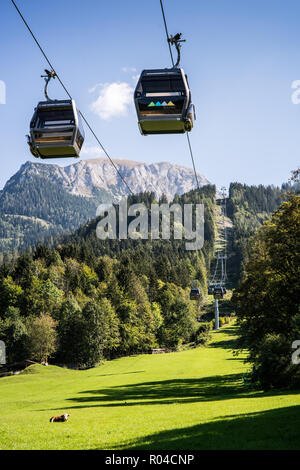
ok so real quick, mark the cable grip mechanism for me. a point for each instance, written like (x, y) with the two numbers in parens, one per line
(176, 41)
(47, 77)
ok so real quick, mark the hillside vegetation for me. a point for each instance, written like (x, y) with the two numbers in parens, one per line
(42, 201)
(267, 299)
(248, 207)
(33, 209)
(107, 298)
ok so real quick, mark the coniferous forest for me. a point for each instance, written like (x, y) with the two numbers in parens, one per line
(102, 299)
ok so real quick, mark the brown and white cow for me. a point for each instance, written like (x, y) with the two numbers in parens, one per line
(59, 419)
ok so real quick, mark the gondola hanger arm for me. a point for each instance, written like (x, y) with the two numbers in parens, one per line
(47, 77)
(176, 41)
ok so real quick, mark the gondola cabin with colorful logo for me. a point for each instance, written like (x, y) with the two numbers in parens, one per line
(163, 102)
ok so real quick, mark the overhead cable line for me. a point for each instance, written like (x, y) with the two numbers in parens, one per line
(192, 157)
(169, 39)
(167, 33)
(69, 95)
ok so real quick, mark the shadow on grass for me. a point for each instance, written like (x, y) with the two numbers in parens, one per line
(164, 392)
(272, 429)
(230, 343)
(122, 373)
(180, 391)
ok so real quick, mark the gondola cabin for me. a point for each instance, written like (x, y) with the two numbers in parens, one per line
(163, 102)
(194, 293)
(219, 292)
(210, 289)
(56, 130)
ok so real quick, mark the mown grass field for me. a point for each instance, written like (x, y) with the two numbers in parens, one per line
(193, 399)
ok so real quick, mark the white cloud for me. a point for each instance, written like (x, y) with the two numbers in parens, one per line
(129, 69)
(94, 88)
(91, 150)
(132, 70)
(113, 100)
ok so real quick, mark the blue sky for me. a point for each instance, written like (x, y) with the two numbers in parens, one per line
(241, 58)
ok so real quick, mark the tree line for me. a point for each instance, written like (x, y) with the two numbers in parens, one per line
(248, 207)
(267, 298)
(97, 299)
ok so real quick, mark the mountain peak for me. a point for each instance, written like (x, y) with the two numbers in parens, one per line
(47, 199)
(87, 177)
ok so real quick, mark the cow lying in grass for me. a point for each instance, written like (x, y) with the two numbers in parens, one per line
(59, 419)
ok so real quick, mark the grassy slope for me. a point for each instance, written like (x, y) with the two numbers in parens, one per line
(189, 400)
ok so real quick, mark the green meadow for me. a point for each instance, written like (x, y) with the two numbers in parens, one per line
(194, 399)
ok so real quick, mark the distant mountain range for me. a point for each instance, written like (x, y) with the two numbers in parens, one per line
(43, 200)
(87, 177)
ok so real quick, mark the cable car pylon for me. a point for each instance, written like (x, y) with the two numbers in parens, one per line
(217, 285)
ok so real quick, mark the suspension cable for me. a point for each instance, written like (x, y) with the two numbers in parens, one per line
(187, 134)
(192, 157)
(221, 251)
(69, 95)
(215, 272)
(224, 210)
(167, 33)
